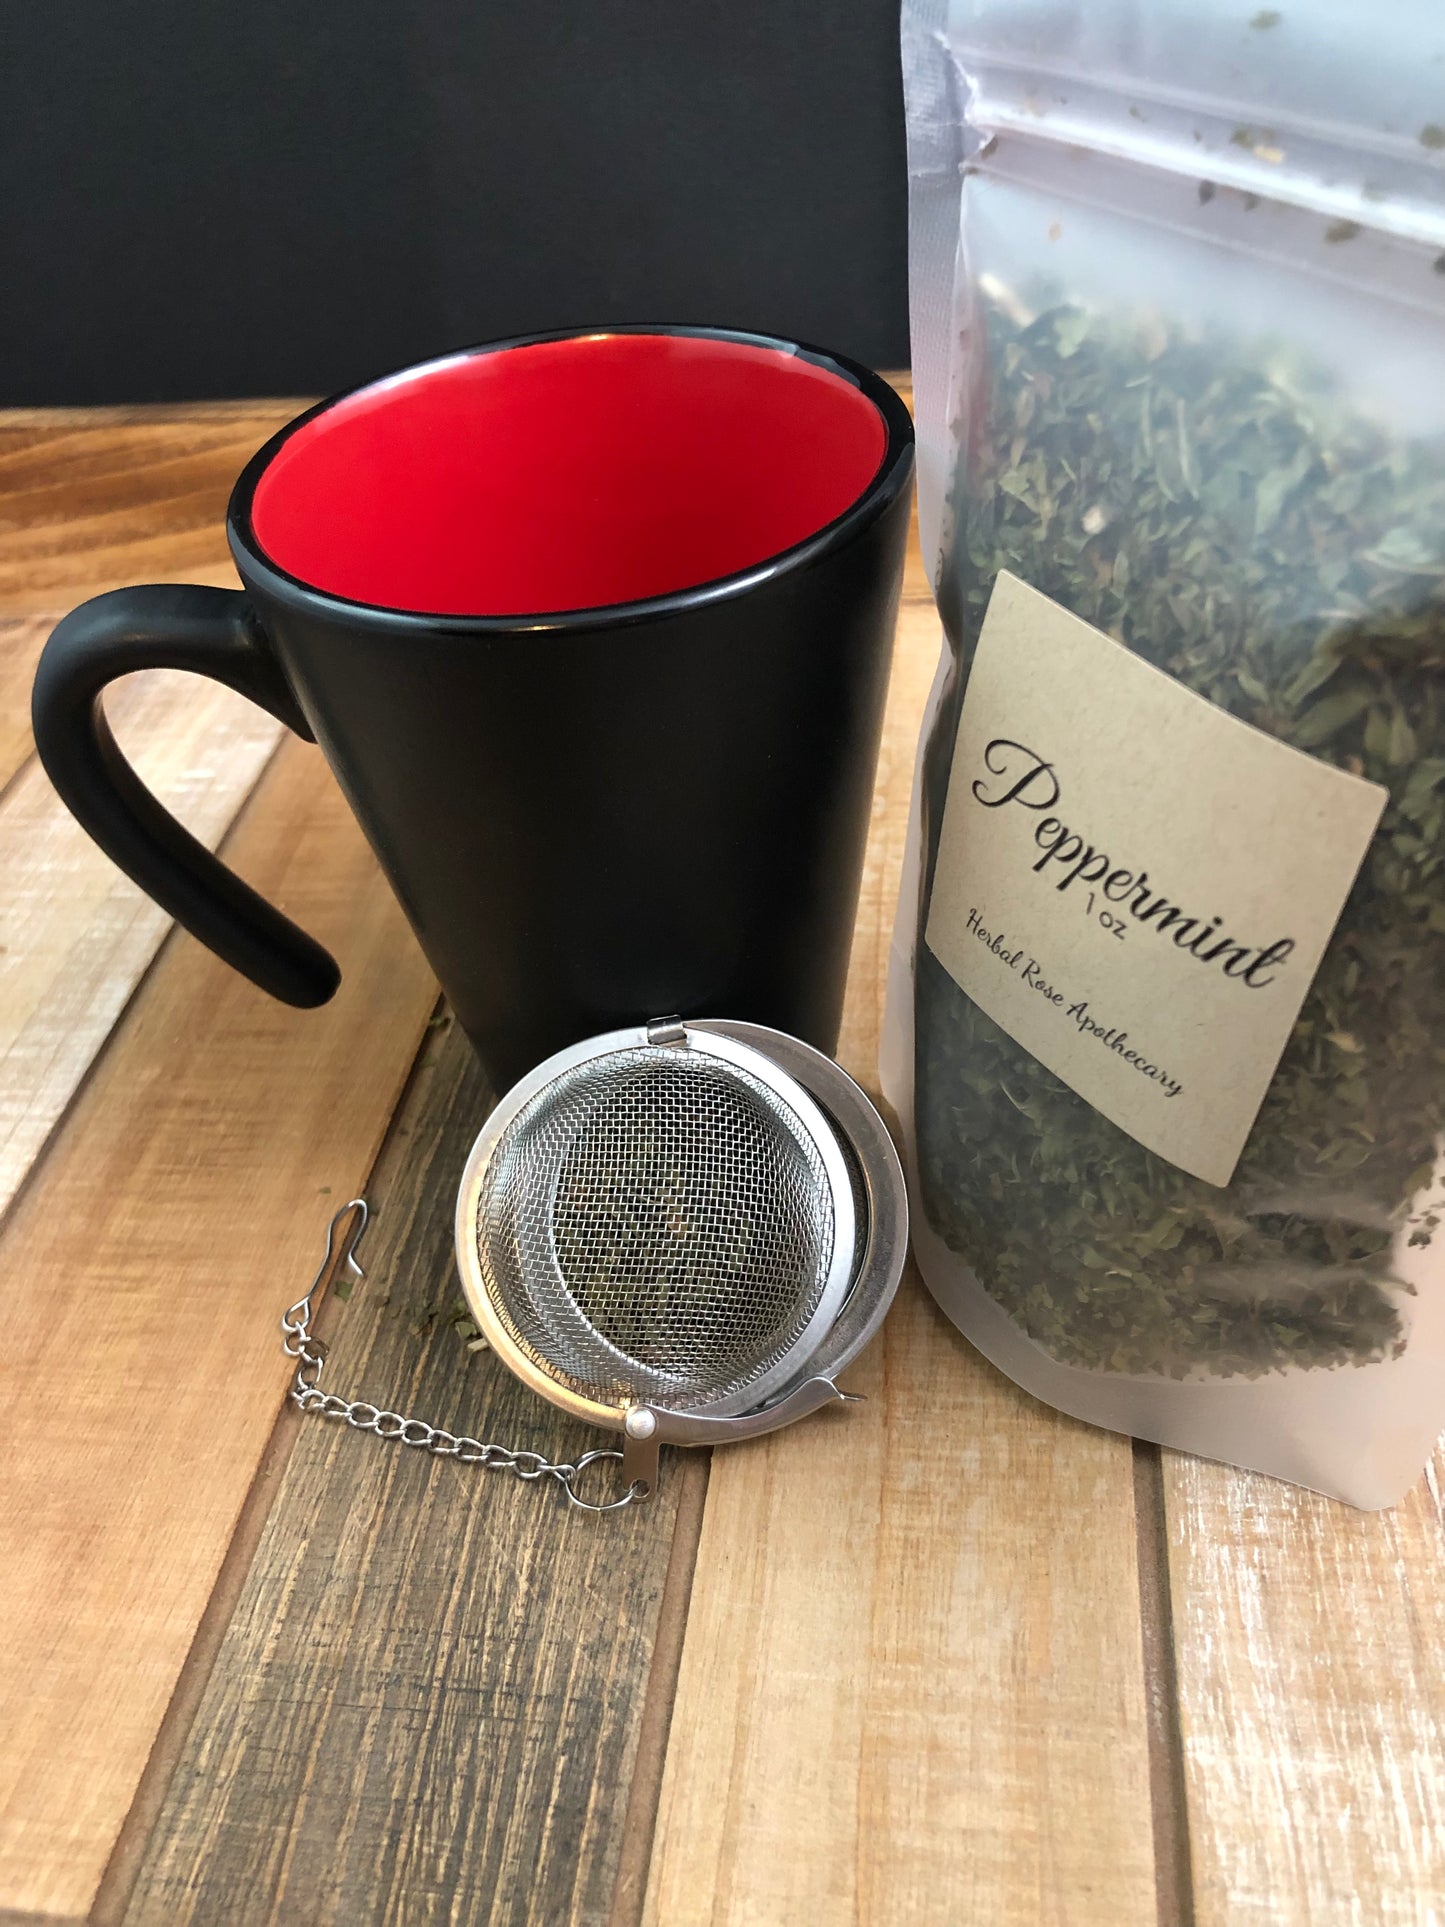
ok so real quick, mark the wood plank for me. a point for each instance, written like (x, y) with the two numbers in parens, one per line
(143, 1264)
(89, 498)
(911, 1686)
(915, 657)
(426, 1705)
(1310, 1647)
(912, 1681)
(75, 935)
(94, 498)
(21, 640)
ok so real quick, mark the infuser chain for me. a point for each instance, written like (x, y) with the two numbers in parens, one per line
(300, 1342)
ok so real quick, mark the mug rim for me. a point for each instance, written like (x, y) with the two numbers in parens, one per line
(893, 473)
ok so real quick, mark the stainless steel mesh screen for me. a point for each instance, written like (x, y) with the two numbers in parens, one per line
(656, 1225)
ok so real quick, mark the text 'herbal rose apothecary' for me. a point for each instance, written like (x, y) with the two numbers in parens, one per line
(1167, 1009)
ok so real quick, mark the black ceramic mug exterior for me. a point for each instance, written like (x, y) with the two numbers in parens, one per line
(591, 814)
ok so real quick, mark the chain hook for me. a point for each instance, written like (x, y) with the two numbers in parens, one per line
(296, 1320)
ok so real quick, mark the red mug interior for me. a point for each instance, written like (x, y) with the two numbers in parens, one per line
(565, 475)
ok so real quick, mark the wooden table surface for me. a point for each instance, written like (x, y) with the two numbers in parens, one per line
(947, 1657)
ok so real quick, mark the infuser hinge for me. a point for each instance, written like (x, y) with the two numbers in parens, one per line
(639, 1450)
(666, 1030)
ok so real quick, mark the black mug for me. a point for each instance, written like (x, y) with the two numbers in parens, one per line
(594, 631)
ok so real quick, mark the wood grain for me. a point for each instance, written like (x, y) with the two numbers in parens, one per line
(144, 1264)
(93, 498)
(75, 935)
(912, 1682)
(21, 640)
(426, 1706)
(915, 656)
(911, 1688)
(1310, 1644)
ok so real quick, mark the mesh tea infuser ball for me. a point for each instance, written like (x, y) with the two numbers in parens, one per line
(680, 1232)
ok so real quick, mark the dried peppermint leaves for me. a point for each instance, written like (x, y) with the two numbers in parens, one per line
(1233, 523)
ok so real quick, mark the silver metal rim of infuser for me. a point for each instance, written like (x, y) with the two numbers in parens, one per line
(735, 1318)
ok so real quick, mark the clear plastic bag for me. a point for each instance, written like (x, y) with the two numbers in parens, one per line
(1178, 289)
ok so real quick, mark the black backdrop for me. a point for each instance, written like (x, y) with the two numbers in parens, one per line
(241, 197)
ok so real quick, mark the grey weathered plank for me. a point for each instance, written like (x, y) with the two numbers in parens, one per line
(426, 1705)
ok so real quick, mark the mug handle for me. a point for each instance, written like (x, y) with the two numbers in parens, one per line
(211, 632)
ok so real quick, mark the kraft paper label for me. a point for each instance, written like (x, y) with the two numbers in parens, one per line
(1136, 886)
